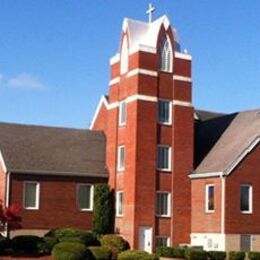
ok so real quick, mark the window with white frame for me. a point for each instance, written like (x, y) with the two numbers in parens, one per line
(162, 241)
(31, 195)
(121, 158)
(209, 198)
(164, 157)
(246, 198)
(163, 204)
(85, 197)
(164, 112)
(124, 57)
(166, 55)
(122, 113)
(119, 203)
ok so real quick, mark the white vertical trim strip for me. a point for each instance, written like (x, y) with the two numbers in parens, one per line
(7, 195)
(2, 162)
(223, 200)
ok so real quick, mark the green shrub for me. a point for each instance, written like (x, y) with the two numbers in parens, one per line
(104, 210)
(46, 245)
(4, 244)
(73, 235)
(27, 244)
(100, 253)
(165, 251)
(136, 255)
(116, 244)
(195, 254)
(254, 255)
(235, 255)
(217, 255)
(70, 251)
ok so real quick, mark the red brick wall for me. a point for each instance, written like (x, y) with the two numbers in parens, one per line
(247, 172)
(101, 120)
(58, 204)
(203, 222)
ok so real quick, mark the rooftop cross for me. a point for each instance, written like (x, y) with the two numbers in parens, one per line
(150, 11)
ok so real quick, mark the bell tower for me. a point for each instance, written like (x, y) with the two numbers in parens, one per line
(148, 121)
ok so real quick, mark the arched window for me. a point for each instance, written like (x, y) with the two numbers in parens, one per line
(166, 55)
(124, 57)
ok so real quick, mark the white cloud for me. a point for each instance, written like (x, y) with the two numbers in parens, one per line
(25, 81)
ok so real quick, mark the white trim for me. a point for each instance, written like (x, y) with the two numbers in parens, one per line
(169, 169)
(181, 103)
(117, 204)
(141, 98)
(182, 78)
(183, 56)
(91, 196)
(168, 204)
(119, 149)
(143, 48)
(205, 175)
(223, 200)
(37, 195)
(114, 81)
(7, 194)
(207, 210)
(115, 59)
(170, 112)
(143, 72)
(250, 197)
(2, 162)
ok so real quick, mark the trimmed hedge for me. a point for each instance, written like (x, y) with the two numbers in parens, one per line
(71, 251)
(193, 254)
(26, 244)
(217, 255)
(47, 244)
(116, 244)
(136, 255)
(166, 251)
(100, 253)
(254, 255)
(236, 255)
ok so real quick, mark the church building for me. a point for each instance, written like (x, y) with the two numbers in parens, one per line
(181, 176)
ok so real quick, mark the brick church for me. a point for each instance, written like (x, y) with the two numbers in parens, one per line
(180, 175)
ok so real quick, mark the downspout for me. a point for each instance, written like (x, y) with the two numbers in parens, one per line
(223, 199)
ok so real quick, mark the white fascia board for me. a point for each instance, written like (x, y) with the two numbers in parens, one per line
(181, 103)
(182, 78)
(2, 162)
(143, 72)
(205, 175)
(115, 59)
(242, 155)
(143, 48)
(183, 56)
(114, 81)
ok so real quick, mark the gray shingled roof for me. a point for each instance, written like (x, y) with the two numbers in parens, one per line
(221, 141)
(50, 150)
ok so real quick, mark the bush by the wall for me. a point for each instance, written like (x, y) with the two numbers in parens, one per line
(46, 245)
(71, 251)
(166, 251)
(192, 254)
(104, 210)
(116, 244)
(4, 244)
(136, 255)
(235, 255)
(100, 253)
(26, 244)
(254, 255)
(217, 255)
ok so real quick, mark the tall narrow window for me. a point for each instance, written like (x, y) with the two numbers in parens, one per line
(246, 199)
(164, 112)
(164, 157)
(163, 204)
(85, 197)
(31, 195)
(121, 158)
(124, 57)
(122, 113)
(166, 55)
(210, 195)
(119, 203)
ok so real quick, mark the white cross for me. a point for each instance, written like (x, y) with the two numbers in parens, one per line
(150, 11)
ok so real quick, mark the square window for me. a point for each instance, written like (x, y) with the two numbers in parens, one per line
(164, 112)
(31, 195)
(164, 158)
(85, 197)
(163, 204)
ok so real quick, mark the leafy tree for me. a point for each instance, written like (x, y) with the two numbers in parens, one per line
(104, 210)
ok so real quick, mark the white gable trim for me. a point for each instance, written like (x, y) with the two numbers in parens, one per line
(183, 56)
(143, 72)
(2, 162)
(182, 78)
(115, 59)
(205, 175)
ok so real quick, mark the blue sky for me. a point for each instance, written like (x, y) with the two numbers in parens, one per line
(54, 55)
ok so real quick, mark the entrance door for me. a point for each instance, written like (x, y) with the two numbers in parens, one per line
(145, 239)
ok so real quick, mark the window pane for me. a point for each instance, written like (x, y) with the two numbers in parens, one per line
(211, 190)
(244, 198)
(122, 113)
(161, 241)
(162, 204)
(121, 158)
(164, 111)
(84, 196)
(119, 203)
(163, 158)
(30, 195)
